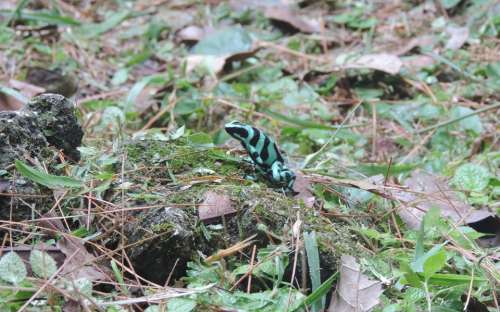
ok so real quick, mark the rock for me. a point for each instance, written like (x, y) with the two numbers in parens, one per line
(161, 237)
(56, 118)
(20, 137)
(46, 122)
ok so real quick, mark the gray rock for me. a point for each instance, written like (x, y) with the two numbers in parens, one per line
(56, 119)
(48, 121)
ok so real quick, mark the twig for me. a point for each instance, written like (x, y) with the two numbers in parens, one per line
(252, 259)
(470, 289)
(309, 159)
(450, 121)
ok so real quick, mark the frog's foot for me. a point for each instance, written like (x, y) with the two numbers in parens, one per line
(250, 177)
(290, 191)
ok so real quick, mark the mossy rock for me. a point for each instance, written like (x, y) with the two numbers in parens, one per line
(166, 175)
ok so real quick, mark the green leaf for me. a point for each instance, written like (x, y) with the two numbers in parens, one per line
(430, 219)
(42, 264)
(409, 277)
(311, 246)
(119, 277)
(48, 180)
(140, 85)
(50, 18)
(374, 169)
(94, 30)
(12, 268)
(181, 304)
(450, 280)
(431, 262)
(471, 177)
(80, 285)
(153, 308)
(186, 106)
(448, 4)
(225, 42)
(14, 93)
(472, 123)
(200, 139)
(120, 77)
(319, 293)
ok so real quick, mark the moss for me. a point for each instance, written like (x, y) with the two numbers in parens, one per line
(162, 227)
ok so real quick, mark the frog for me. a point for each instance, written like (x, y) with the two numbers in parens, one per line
(264, 154)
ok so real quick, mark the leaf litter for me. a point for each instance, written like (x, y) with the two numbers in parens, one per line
(297, 71)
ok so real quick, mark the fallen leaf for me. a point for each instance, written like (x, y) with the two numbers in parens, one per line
(80, 265)
(242, 5)
(221, 47)
(27, 89)
(420, 41)
(16, 93)
(9, 103)
(425, 191)
(215, 205)
(303, 187)
(192, 33)
(355, 292)
(225, 42)
(385, 62)
(417, 62)
(458, 36)
(286, 14)
(211, 64)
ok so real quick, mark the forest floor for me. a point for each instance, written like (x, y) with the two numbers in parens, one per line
(387, 112)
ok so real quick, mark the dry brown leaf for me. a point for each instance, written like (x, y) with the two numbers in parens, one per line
(355, 292)
(426, 191)
(385, 62)
(293, 18)
(420, 41)
(27, 89)
(145, 99)
(458, 36)
(215, 205)
(81, 263)
(417, 62)
(303, 187)
(10, 103)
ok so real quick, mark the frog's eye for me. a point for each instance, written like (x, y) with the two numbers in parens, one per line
(238, 132)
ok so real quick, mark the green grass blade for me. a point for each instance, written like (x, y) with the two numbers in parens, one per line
(49, 18)
(318, 293)
(93, 30)
(449, 280)
(48, 180)
(14, 93)
(311, 246)
(119, 277)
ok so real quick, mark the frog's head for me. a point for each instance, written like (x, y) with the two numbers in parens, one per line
(238, 130)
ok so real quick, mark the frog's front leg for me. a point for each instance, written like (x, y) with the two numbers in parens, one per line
(276, 172)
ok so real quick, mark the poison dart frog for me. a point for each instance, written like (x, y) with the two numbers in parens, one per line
(264, 154)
